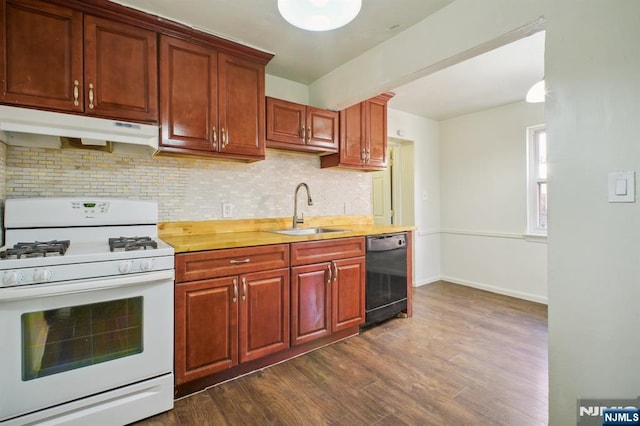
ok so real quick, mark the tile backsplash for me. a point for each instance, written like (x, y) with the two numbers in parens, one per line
(187, 188)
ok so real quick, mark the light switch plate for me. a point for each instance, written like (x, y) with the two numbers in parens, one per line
(622, 187)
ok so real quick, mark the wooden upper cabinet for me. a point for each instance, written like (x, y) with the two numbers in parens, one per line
(189, 96)
(121, 70)
(212, 103)
(41, 54)
(376, 132)
(58, 58)
(301, 128)
(363, 136)
(241, 106)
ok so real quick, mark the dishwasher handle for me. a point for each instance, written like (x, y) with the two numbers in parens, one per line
(386, 242)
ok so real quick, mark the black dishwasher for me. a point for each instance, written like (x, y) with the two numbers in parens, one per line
(386, 287)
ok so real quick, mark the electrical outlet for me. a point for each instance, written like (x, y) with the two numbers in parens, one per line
(227, 210)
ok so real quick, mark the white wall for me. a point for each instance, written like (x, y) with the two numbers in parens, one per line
(425, 136)
(281, 88)
(593, 75)
(483, 169)
(459, 30)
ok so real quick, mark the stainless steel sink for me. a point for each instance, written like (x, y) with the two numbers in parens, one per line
(307, 231)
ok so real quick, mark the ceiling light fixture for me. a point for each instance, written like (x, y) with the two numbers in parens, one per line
(537, 93)
(319, 15)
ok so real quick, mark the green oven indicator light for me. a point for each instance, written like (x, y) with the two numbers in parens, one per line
(89, 205)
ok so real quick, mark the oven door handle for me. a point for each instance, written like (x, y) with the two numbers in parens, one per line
(11, 294)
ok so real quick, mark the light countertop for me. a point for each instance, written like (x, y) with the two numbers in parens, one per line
(187, 237)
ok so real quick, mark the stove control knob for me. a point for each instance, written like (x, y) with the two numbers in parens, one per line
(146, 265)
(126, 267)
(42, 275)
(12, 278)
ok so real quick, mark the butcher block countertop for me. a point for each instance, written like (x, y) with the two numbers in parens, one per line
(219, 234)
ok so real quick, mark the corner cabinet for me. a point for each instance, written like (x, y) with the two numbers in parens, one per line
(363, 136)
(60, 58)
(327, 287)
(297, 127)
(212, 103)
(231, 307)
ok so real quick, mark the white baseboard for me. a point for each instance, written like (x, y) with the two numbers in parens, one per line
(426, 281)
(499, 290)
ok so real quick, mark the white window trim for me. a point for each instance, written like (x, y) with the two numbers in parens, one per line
(533, 230)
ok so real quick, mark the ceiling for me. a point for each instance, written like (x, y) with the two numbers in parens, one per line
(492, 79)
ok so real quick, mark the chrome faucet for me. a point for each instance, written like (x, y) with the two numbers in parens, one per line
(296, 219)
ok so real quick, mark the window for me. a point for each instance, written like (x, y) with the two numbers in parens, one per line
(537, 180)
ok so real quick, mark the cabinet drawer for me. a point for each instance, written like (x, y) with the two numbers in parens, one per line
(327, 250)
(220, 263)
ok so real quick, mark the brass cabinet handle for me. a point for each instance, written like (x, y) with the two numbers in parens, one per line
(235, 290)
(368, 156)
(363, 156)
(330, 274)
(214, 136)
(335, 273)
(244, 288)
(224, 137)
(76, 92)
(239, 262)
(91, 95)
(303, 133)
(308, 134)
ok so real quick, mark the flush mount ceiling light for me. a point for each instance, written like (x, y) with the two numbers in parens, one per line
(319, 15)
(537, 93)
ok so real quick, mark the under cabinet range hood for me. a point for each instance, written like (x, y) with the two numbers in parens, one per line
(45, 129)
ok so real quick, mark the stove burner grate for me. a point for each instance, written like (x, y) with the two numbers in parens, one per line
(132, 243)
(36, 249)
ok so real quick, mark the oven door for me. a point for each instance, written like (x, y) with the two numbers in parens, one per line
(62, 342)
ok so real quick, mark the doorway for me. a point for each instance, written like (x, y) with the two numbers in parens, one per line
(392, 189)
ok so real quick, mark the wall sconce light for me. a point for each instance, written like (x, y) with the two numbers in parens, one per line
(537, 92)
(319, 15)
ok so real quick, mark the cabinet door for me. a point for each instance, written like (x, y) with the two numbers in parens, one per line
(264, 313)
(120, 70)
(41, 54)
(206, 328)
(322, 129)
(285, 122)
(310, 302)
(376, 133)
(348, 293)
(241, 107)
(352, 137)
(188, 96)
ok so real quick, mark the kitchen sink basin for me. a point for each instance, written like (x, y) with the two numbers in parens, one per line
(307, 231)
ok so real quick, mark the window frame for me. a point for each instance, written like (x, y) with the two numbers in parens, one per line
(534, 180)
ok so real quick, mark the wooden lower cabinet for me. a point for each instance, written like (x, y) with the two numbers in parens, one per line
(328, 296)
(225, 321)
(241, 309)
(231, 307)
(348, 293)
(264, 313)
(310, 302)
(206, 328)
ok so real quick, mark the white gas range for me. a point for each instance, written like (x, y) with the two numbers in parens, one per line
(86, 312)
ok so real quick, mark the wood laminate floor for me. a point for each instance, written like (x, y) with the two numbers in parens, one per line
(467, 357)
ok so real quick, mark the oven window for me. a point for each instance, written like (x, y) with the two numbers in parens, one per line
(73, 337)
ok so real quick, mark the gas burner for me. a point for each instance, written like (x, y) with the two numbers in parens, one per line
(36, 249)
(132, 243)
